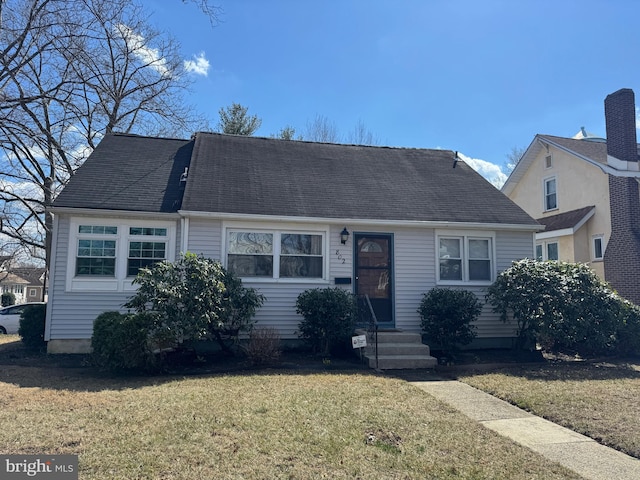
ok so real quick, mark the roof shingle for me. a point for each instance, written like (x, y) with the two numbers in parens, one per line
(285, 178)
(262, 176)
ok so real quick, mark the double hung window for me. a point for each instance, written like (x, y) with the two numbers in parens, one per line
(147, 246)
(107, 254)
(550, 194)
(465, 259)
(96, 251)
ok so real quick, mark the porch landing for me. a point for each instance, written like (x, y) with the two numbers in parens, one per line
(397, 350)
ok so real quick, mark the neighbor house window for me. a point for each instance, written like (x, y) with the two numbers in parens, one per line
(275, 254)
(96, 255)
(547, 251)
(465, 259)
(598, 248)
(145, 252)
(32, 292)
(550, 194)
(548, 161)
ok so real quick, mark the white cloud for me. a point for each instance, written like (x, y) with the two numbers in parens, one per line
(199, 65)
(137, 44)
(492, 172)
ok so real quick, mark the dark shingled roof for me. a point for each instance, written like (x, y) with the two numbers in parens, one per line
(262, 176)
(129, 172)
(566, 219)
(286, 178)
(595, 150)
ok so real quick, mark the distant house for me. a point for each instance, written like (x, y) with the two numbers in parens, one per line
(11, 283)
(584, 190)
(286, 216)
(35, 276)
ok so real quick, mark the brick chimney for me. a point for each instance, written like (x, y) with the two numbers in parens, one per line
(622, 255)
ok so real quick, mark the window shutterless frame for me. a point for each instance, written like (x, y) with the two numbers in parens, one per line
(465, 259)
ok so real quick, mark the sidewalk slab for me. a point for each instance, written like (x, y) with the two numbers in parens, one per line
(472, 402)
(577, 452)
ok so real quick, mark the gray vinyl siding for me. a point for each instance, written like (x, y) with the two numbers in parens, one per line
(510, 246)
(71, 314)
(414, 273)
(205, 237)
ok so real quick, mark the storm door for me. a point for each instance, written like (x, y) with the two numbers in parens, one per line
(374, 273)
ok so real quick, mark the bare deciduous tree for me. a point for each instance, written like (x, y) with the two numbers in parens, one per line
(72, 71)
(321, 129)
(361, 135)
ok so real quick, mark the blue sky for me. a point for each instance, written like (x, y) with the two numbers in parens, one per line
(476, 76)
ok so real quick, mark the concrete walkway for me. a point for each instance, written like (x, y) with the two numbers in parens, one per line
(573, 450)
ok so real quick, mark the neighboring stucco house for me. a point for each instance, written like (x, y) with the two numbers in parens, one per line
(584, 190)
(277, 212)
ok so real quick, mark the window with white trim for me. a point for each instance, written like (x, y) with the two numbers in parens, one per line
(147, 246)
(106, 254)
(96, 251)
(547, 251)
(550, 194)
(598, 247)
(465, 259)
(275, 254)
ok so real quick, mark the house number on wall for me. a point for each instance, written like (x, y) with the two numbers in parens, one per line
(340, 257)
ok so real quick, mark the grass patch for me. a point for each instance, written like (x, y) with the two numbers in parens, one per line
(599, 400)
(269, 424)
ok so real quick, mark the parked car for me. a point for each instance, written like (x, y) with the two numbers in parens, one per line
(10, 317)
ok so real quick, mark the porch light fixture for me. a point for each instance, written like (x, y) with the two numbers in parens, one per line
(344, 235)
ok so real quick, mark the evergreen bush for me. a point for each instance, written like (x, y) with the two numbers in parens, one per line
(328, 317)
(123, 343)
(447, 317)
(562, 306)
(32, 324)
(7, 299)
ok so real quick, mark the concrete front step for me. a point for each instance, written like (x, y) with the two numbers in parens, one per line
(399, 362)
(398, 350)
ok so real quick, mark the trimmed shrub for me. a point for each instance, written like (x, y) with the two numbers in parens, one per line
(328, 317)
(447, 315)
(122, 342)
(263, 347)
(32, 323)
(7, 299)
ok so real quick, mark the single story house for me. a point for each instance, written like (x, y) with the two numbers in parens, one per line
(286, 216)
